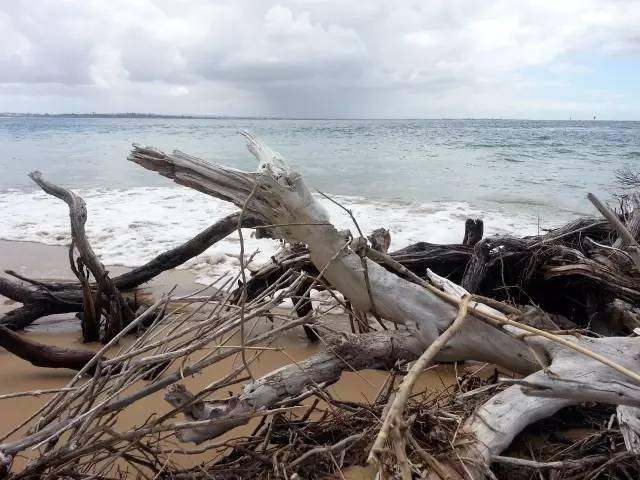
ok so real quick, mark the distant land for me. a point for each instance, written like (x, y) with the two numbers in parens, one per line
(251, 117)
(121, 115)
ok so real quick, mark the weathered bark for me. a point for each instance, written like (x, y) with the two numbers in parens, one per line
(303, 307)
(36, 302)
(626, 238)
(473, 231)
(629, 422)
(380, 240)
(476, 269)
(553, 270)
(42, 298)
(116, 311)
(284, 200)
(497, 422)
(445, 260)
(44, 355)
(368, 350)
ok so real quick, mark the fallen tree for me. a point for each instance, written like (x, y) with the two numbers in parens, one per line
(554, 271)
(72, 432)
(279, 197)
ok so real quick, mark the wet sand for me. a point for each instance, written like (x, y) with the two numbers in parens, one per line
(16, 375)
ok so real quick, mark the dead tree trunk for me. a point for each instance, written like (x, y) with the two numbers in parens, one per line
(473, 231)
(281, 198)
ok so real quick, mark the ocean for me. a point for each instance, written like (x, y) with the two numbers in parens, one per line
(420, 178)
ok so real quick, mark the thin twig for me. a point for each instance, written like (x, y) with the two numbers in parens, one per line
(393, 418)
(243, 296)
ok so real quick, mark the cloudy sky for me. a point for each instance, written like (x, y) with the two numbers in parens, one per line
(323, 58)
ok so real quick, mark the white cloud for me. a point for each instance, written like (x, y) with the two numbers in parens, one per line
(308, 57)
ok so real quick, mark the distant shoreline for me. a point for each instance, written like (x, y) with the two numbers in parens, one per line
(249, 117)
(127, 115)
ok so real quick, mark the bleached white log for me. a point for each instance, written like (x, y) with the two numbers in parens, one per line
(496, 423)
(629, 422)
(282, 199)
(345, 352)
(615, 393)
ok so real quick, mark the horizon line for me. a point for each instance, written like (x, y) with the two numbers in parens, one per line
(266, 117)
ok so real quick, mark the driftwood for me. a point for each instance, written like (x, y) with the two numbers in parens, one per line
(473, 231)
(76, 432)
(553, 271)
(44, 355)
(42, 298)
(107, 302)
(282, 199)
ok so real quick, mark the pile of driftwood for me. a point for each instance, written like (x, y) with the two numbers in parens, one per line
(559, 310)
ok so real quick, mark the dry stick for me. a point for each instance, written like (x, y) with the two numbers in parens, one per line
(430, 460)
(243, 296)
(344, 443)
(558, 465)
(121, 401)
(36, 393)
(623, 232)
(78, 217)
(393, 418)
(136, 434)
(566, 234)
(46, 408)
(500, 320)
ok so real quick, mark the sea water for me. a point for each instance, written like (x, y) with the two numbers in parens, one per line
(419, 178)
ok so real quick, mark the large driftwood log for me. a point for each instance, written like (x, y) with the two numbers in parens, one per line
(496, 423)
(552, 270)
(282, 200)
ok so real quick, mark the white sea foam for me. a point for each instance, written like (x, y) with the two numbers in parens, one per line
(130, 227)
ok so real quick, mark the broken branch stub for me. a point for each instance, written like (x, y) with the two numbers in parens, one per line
(117, 314)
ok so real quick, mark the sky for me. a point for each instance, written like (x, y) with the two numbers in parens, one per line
(551, 59)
